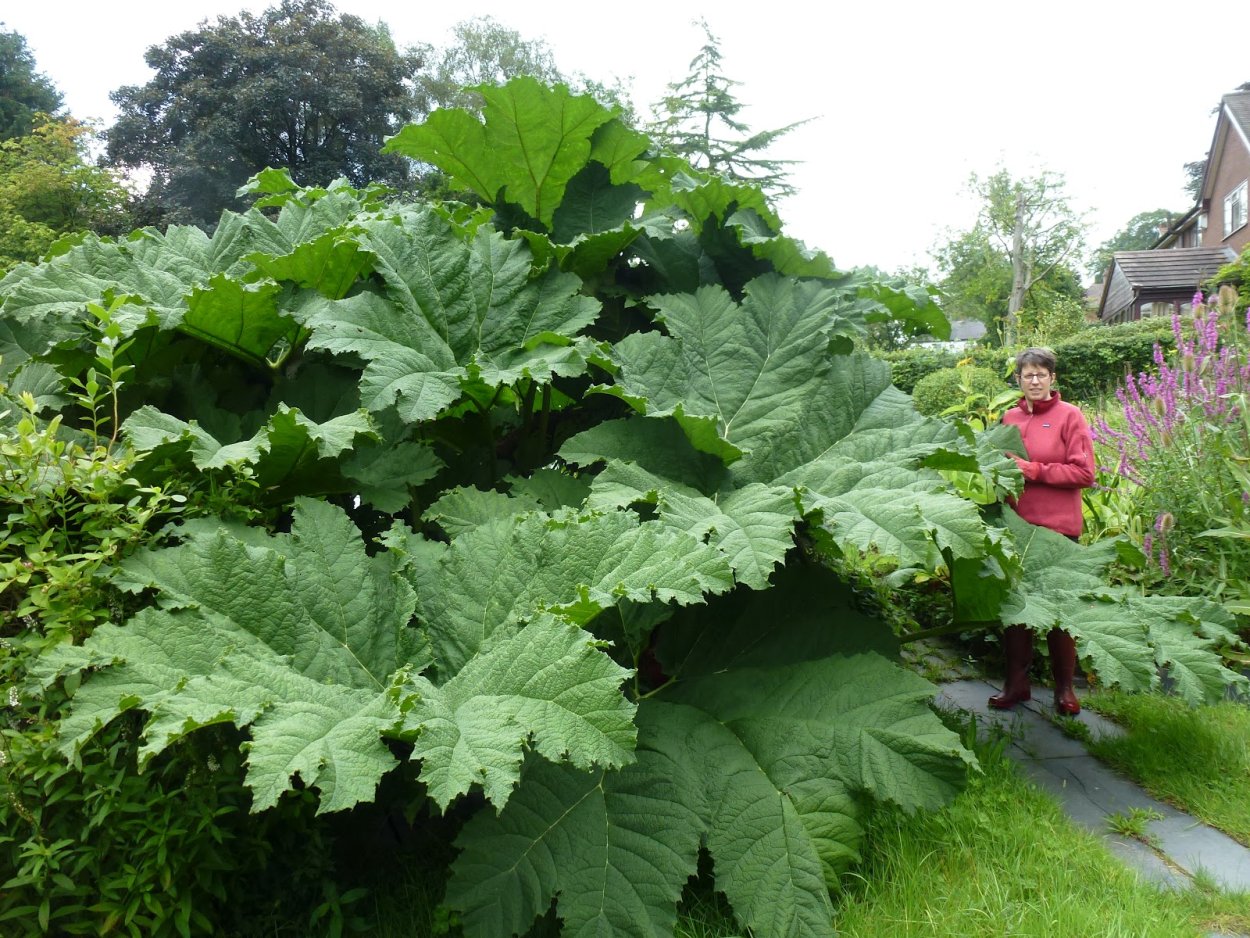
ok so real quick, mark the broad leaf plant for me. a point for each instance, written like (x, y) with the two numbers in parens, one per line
(551, 485)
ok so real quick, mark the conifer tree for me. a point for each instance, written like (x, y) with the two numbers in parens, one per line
(699, 121)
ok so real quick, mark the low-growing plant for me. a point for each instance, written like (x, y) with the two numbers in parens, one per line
(1003, 859)
(909, 365)
(1135, 823)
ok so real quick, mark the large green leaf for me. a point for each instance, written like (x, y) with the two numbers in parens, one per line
(284, 452)
(463, 508)
(763, 764)
(506, 571)
(852, 393)
(182, 279)
(330, 264)
(617, 847)
(532, 143)
(808, 614)
(656, 445)
(727, 372)
(548, 686)
(306, 645)
(753, 526)
(1126, 638)
(451, 311)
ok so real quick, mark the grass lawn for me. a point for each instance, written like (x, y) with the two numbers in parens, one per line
(1003, 860)
(1195, 758)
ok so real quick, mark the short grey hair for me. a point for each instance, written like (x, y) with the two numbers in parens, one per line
(1037, 356)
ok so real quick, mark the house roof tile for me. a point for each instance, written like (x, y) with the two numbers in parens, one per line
(1238, 103)
(1179, 267)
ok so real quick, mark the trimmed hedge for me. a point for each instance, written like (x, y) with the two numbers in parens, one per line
(937, 391)
(1091, 363)
(1095, 361)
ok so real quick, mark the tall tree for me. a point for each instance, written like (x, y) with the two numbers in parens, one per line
(1141, 231)
(1017, 262)
(298, 87)
(698, 120)
(24, 92)
(1029, 221)
(483, 52)
(1193, 177)
(975, 278)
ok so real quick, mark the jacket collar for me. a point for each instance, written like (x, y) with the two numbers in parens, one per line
(1041, 406)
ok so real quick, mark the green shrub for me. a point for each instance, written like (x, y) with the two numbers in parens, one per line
(909, 365)
(95, 845)
(936, 392)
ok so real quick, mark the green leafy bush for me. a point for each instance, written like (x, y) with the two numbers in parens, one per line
(949, 387)
(92, 845)
(1091, 362)
(909, 365)
(1060, 319)
(542, 503)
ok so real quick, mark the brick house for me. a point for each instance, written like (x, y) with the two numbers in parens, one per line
(1208, 236)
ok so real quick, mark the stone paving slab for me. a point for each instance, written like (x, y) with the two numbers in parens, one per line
(1089, 791)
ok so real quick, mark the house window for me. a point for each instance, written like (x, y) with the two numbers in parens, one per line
(1235, 209)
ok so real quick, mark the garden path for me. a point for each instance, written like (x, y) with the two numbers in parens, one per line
(1090, 792)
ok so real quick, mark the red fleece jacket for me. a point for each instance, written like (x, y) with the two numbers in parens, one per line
(1060, 463)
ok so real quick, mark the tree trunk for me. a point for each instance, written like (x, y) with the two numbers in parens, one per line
(1019, 275)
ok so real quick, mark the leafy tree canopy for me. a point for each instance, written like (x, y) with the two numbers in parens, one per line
(698, 120)
(1193, 177)
(48, 188)
(1141, 231)
(484, 52)
(1020, 252)
(23, 91)
(298, 87)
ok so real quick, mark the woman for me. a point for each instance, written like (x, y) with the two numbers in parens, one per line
(1060, 463)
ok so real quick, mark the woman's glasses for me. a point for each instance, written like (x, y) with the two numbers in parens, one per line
(1040, 376)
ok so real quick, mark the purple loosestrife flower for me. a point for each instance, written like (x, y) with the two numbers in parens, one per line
(1197, 300)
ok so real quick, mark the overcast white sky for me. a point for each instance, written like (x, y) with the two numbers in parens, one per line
(910, 96)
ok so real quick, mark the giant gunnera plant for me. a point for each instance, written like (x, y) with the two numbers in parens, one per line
(542, 497)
